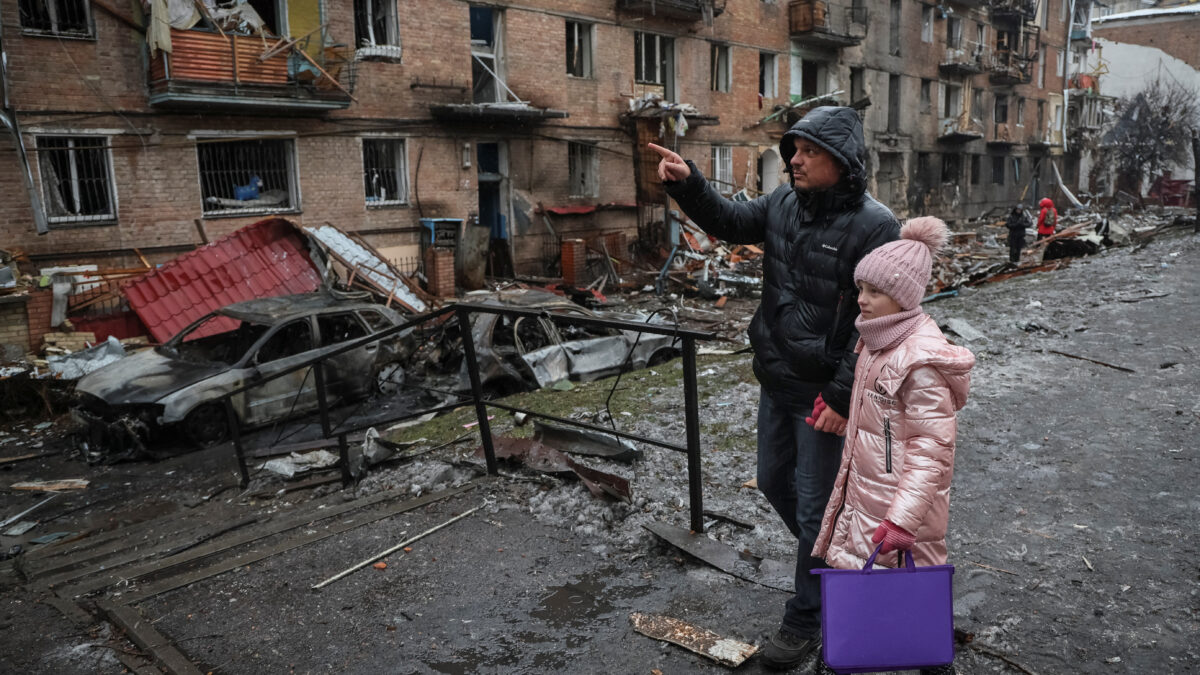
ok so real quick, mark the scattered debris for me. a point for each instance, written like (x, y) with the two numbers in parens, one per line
(541, 457)
(75, 365)
(964, 330)
(741, 564)
(401, 546)
(297, 463)
(29, 510)
(586, 442)
(1084, 358)
(725, 651)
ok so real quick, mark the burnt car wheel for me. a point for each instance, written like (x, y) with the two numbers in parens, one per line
(206, 425)
(389, 378)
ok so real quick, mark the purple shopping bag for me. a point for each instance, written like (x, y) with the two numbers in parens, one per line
(887, 619)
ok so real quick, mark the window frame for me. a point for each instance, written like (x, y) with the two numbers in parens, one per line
(720, 67)
(390, 48)
(583, 169)
(582, 34)
(88, 34)
(1020, 111)
(722, 168)
(926, 98)
(768, 74)
(401, 169)
(976, 169)
(291, 165)
(998, 176)
(110, 180)
(927, 23)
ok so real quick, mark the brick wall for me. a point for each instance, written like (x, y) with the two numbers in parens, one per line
(574, 261)
(439, 270)
(1175, 35)
(14, 325)
(37, 310)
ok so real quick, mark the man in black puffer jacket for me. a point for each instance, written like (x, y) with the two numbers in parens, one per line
(814, 233)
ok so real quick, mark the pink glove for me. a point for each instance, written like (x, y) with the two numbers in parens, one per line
(894, 537)
(818, 407)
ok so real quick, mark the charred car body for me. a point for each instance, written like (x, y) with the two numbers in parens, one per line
(523, 353)
(181, 384)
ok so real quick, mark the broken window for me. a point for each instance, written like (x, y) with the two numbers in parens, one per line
(385, 171)
(337, 328)
(922, 172)
(858, 89)
(246, 176)
(722, 168)
(375, 25)
(926, 95)
(583, 167)
(69, 18)
(1020, 112)
(976, 169)
(894, 29)
(952, 100)
(926, 23)
(719, 67)
(768, 75)
(579, 49)
(951, 167)
(77, 180)
(1041, 68)
(375, 320)
(487, 55)
(977, 103)
(997, 170)
(1016, 163)
(294, 338)
(654, 61)
(893, 113)
(1000, 113)
(954, 32)
(810, 74)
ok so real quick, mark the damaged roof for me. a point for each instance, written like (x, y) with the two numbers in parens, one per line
(264, 259)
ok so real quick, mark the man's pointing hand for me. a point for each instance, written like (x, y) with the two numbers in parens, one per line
(672, 167)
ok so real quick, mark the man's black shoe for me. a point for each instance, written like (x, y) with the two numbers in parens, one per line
(787, 650)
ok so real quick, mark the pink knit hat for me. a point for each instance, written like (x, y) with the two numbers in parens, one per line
(902, 268)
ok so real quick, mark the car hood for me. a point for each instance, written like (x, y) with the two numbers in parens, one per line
(145, 377)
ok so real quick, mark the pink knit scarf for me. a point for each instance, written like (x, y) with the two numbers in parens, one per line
(886, 332)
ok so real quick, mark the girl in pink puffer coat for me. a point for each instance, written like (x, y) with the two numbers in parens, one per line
(893, 486)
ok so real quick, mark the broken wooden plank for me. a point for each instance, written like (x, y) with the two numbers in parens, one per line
(763, 571)
(227, 564)
(292, 521)
(142, 633)
(725, 651)
(52, 485)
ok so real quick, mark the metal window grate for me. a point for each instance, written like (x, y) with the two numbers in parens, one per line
(375, 23)
(583, 166)
(58, 17)
(722, 168)
(246, 177)
(385, 171)
(76, 178)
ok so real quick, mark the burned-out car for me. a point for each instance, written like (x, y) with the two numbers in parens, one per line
(181, 384)
(524, 353)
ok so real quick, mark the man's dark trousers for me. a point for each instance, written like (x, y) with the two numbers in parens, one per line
(1015, 244)
(797, 466)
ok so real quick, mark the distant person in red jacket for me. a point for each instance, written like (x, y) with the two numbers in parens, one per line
(1047, 219)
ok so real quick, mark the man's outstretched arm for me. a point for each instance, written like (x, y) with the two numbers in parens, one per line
(735, 222)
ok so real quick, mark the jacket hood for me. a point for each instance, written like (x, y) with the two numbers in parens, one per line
(1046, 202)
(837, 129)
(928, 347)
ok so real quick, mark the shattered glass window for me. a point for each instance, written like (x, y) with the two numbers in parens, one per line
(218, 339)
(579, 49)
(68, 18)
(375, 23)
(77, 183)
(337, 328)
(294, 338)
(247, 176)
(583, 165)
(385, 171)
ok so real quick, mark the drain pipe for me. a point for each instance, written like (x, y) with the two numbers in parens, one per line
(9, 117)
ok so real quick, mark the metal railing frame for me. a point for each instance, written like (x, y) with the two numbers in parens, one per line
(462, 313)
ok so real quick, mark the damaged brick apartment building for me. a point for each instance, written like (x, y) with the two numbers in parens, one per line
(138, 131)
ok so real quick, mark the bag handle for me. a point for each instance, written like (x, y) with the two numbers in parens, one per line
(908, 559)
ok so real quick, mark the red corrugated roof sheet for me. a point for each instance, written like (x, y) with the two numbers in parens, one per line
(262, 260)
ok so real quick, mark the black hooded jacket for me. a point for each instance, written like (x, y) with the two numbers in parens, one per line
(803, 331)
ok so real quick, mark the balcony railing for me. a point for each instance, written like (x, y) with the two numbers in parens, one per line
(965, 58)
(1002, 134)
(816, 23)
(210, 70)
(1024, 10)
(1007, 67)
(960, 129)
(688, 10)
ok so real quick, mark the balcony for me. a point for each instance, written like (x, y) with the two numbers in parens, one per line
(958, 130)
(1002, 135)
(815, 23)
(686, 10)
(1007, 67)
(1013, 10)
(965, 58)
(210, 71)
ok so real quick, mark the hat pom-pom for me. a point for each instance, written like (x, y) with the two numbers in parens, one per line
(927, 230)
